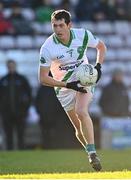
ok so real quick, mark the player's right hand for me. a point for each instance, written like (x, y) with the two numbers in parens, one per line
(75, 85)
(98, 68)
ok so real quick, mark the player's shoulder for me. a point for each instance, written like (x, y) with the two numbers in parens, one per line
(48, 42)
(80, 32)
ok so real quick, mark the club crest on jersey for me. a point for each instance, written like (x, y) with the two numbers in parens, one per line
(42, 60)
(80, 49)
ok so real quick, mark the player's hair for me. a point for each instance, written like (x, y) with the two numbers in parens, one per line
(61, 14)
(10, 61)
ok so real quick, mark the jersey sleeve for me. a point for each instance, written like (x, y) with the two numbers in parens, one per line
(92, 40)
(45, 57)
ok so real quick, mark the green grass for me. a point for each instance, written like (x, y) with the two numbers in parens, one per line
(61, 161)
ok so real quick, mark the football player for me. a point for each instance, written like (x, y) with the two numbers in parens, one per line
(62, 53)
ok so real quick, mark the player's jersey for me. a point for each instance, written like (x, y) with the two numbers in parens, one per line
(62, 59)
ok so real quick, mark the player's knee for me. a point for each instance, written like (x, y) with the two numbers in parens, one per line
(81, 113)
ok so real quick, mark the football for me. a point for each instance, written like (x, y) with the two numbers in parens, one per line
(87, 74)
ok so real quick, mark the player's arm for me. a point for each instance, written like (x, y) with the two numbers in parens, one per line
(45, 79)
(44, 68)
(99, 45)
(94, 42)
(101, 50)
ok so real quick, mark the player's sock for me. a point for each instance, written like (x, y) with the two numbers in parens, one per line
(90, 148)
(92, 157)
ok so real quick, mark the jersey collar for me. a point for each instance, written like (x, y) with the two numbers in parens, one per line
(57, 41)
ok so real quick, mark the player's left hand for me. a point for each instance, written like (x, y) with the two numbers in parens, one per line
(98, 68)
(75, 85)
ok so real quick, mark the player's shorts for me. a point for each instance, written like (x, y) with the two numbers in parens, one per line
(67, 97)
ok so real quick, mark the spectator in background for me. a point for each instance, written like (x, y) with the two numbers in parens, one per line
(8, 3)
(20, 24)
(121, 10)
(5, 26)
(65, 4)
(87, 10)
(114, 100)
(111, 9)
(15, 99)
(99, 10)
(44, 11)
(116, 9)
(35, 4)
(47, 107)
(128, 9)
(84, 10)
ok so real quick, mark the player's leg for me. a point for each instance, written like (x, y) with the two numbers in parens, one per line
(85, 135)
(81, 108)
(77, 125)
(67, 100)
(81, 120)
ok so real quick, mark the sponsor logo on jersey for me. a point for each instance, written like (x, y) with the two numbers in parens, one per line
(42, 60)
(70, 66)
(60, 57)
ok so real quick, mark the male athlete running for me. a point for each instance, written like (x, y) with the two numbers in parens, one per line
(62, 53)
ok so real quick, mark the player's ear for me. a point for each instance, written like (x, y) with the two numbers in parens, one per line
(70, 25)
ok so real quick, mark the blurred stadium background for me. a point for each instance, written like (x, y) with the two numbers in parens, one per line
(24, 26)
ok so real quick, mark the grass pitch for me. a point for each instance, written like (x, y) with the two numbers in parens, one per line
(63, 164)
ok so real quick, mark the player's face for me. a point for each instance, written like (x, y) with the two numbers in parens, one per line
(61, 29)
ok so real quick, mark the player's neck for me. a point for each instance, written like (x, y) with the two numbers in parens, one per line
(66, 39)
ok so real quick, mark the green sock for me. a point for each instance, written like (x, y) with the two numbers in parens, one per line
(90, 148)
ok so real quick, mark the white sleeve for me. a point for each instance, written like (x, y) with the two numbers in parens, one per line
(45, 57)
(92, 40)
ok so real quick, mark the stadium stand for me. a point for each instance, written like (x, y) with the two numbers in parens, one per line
(25, 49)
(7, 42)
(118, 45)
